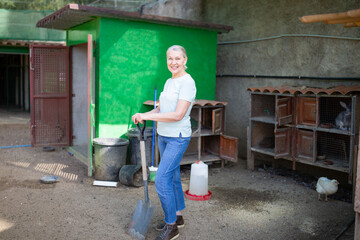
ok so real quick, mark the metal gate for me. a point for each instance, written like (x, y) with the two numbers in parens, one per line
(49, 95)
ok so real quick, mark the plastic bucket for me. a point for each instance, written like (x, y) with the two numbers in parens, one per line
(152, 174)
(109, 157)
(134, 138)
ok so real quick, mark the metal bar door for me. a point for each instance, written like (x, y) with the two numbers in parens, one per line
(49, 95)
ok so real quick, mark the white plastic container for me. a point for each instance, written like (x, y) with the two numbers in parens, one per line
(199, 179)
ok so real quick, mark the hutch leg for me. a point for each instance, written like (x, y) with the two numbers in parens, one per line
(357, 226)
(275, 163)
(250, 154)
(294, 164)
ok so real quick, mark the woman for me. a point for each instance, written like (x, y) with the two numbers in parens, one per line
(174, 131)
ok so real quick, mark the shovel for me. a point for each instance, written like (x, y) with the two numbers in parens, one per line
(144, 210)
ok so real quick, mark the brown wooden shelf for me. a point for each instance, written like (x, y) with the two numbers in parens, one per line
(191, 158)
(204, 132)
(267, 151)
(265, 119)
(337, 165)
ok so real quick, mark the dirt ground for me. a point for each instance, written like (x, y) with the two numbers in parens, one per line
(244, 204)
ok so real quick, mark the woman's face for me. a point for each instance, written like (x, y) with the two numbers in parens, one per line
(176, 63)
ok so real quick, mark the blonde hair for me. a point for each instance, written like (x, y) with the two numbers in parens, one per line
(179, 49)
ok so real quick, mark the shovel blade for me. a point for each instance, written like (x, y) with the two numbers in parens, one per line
(140, 220)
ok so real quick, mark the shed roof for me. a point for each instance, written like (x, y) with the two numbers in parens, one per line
(26, 43)
(285, 89)
(73, 14)
(350, 18)
(198, 102)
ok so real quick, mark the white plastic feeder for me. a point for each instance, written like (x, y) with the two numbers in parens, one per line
(198, 189)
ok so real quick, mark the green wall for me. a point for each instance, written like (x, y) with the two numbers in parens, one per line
(132, 62)
(79, 34)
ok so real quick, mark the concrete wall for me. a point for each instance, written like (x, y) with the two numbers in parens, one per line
(284, 54)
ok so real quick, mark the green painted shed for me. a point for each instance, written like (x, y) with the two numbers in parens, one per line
(116, 59)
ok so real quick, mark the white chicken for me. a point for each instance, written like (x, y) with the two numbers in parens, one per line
(326, 186)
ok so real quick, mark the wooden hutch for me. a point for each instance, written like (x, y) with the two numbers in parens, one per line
(208, 142)
(302, 125)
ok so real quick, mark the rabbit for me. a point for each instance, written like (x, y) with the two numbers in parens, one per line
(343, 119)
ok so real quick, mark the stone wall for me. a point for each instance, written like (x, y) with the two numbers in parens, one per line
(269, 39)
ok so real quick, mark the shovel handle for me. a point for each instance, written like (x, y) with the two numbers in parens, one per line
(141, 130)
(143, 160)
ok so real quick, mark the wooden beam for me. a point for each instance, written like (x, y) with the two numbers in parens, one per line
(345, 20)
(348, 25)
(330, 16)
(323, 17)
(354, 13)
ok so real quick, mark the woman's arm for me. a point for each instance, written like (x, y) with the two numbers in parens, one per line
(181, 109)
(137, 115)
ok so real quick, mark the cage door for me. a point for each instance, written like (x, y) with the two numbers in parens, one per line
(49, 95)
(228, 148)
(306, 112)
(305, 145)
(217, 122)
(284, 110)
(283, 142)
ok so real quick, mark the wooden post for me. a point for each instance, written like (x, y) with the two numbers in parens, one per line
(275, 163)
(250, 154)
(357, 226)
(357, 197)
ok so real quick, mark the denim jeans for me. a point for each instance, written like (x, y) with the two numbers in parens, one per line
(167, 180)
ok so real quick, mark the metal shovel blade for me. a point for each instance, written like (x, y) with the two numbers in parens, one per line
(140, 220)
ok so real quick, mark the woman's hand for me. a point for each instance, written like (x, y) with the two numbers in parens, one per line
(137, 118)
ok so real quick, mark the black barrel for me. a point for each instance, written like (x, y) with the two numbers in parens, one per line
(109, 157)
(134, 138)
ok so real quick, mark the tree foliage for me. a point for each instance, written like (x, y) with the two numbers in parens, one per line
(39, 4)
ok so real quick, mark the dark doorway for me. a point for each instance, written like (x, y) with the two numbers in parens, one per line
(14, 82)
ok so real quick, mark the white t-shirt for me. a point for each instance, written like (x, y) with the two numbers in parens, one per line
(178, 88)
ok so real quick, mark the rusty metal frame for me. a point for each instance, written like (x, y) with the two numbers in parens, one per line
(34, 95)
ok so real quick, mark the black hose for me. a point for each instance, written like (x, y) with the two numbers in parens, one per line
(345, 228)
(288, 77)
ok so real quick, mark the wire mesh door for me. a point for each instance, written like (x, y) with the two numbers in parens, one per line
(49, 95)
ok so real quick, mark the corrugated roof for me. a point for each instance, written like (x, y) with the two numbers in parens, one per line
(198, 102)
(73, 14)
(203, 102)
(348, 19)
(26, 43)
(285, 89)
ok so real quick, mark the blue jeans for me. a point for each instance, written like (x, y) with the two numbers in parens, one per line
(167, 180)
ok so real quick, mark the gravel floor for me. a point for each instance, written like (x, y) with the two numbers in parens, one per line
(244, 205)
